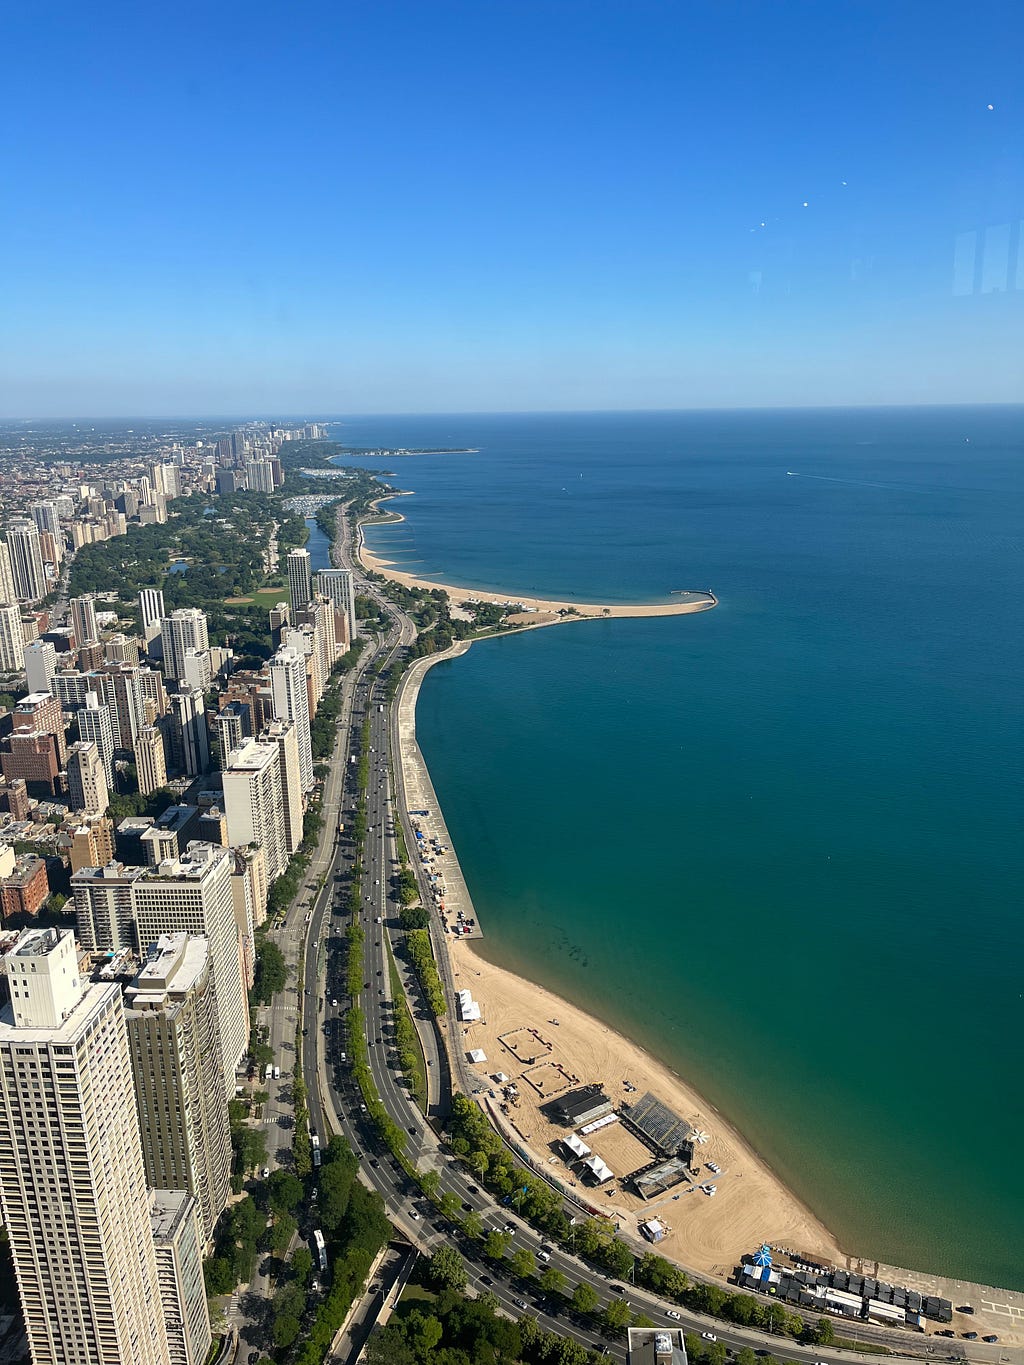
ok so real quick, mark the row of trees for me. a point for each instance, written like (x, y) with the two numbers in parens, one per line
(422, 957)
(407, 1043)
(473, 1138)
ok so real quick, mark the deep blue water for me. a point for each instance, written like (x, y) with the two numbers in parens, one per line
(778, 842)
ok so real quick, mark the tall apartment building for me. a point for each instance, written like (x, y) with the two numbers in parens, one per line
(184, 629)
(193, 894)
(12, 641)
(232, 725)
(253, 802)
(104, 910)
(151, 607)
(259, 475)
(8, 592)
(91, 843)
(120, 649)
(197, 669)
(300, 578)
(41, 711)
(174, 1043)
(83, 620)
(26, 560)
(302, 638)
(96, 725)
(169, 835)
(291, 702)
(72, 1183)
(175, 1224)
(319, 613)
(190, 740)
(150, 760)
(87, 782)
(40, 666)
(122, 692)
(46, 517)
(284, 734)
(338, 586)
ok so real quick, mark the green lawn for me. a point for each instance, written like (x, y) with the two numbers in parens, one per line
(263, 597)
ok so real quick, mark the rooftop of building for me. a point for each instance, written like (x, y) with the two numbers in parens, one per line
(167, 1209)
(112, 872)
(656, 1346)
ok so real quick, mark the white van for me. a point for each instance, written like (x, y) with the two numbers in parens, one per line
(277, 1073)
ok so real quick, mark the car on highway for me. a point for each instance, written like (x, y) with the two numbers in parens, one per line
(415, 1215)
(519, 1303)
(709, 1336)
(671, 1313)
(334, 1004)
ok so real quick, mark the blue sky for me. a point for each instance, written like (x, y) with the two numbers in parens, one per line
(416, 205)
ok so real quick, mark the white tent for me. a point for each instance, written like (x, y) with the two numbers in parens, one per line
(477, 1056)
(599, 1170)
(576, 1146)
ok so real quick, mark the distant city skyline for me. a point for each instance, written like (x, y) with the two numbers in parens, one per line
(402, 208)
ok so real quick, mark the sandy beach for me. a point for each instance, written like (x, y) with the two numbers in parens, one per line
(707, 1233)
(537, 611)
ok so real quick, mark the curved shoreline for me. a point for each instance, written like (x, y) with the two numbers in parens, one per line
(536, 611)
(712, 1234)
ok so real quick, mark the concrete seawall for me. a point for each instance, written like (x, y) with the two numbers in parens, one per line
(417, 792)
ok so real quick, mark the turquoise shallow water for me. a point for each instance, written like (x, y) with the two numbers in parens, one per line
(778, 842)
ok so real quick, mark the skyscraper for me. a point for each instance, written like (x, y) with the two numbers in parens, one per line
(291, 702)
(12, 641)
(337, 585)
(104, 909)
(26, 560)
(193, 894)
(95, 723)
(190, 737)
(183, 629)
(253, 802)
(300, 582)
(87, 782)
(232, 726)
(72, 1182)
(151, 606)
(174, 1043)
(122, 693)
(83, 620)
(8, 592)
(150, 760)
(284, 734)
(40, 666)
(175, 1223)
(46, 517)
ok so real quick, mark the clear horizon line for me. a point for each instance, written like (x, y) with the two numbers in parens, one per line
(505, 412)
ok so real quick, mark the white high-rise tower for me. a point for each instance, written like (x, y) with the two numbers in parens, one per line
(72, 1181)
(291, 702)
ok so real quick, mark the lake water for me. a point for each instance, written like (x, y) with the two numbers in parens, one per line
(778, 842)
